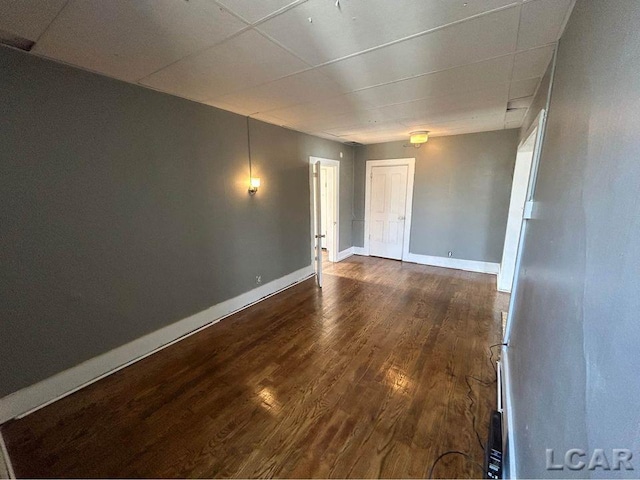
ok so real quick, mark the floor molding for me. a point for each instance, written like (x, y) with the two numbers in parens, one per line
(345, 254)
(360, 251)
(507, 416)
(456, 263)
(41, 394)
(6, 469)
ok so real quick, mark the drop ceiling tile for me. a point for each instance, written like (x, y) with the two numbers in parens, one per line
(383, 137)
(354, 26)
(462, 80)
(328, 136)
(532, 63)
(541, 22)
(516, 115)
(428, 121)
(244, 61)
(265, 117)
(327, 108)
(342, 121)
(523, 88)
(490, 121)
(491, 101)
(471, 41)
(299, 88)
(28, 18)
(129, 40)
(466, 130)
(252, 10)
(516, 124)
(228, 107)
(483, 102)
(368, 128)
(523, 102)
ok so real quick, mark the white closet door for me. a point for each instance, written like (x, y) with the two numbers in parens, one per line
(387, 211)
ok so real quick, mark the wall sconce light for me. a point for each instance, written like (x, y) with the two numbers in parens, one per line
(418, 138)
(254, 183)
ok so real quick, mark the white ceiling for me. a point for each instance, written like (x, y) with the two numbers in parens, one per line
(354, 70)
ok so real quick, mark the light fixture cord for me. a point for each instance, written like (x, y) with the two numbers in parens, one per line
(249, 149)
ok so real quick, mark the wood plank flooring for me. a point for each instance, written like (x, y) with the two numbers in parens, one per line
(364, 378)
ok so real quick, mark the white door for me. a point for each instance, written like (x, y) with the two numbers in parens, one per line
(387, 210)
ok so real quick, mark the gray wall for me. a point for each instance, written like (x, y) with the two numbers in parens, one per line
(461, 193)
(575, 352)
(124, 210)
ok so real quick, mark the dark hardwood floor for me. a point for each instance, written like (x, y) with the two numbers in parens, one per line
(364, 378)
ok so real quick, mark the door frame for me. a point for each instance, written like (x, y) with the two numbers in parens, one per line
(408, 208)
(506, 284)
(327, 162)
(538, 126)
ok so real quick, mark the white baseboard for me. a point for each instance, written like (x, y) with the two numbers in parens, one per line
(345, 254)
(360, 251)
(458, 264)
(501, 283)
(34, 397)
(508, 431)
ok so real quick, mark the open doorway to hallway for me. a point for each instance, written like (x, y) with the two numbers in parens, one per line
(325, 188)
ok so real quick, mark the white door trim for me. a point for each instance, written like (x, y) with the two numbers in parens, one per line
(333, 255)
(533, 176)
(517, 205)
(409, 162)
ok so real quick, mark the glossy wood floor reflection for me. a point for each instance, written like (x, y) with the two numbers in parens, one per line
(364, 378)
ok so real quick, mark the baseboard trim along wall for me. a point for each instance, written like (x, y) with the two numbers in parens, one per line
(41, 394)
(456, 263)
(345, 254)
(360, 251)
(508, 431)
(445, 262)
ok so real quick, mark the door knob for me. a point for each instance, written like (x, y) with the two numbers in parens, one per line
(401, 217)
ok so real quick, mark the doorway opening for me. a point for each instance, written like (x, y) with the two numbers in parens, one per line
(325, 209)
(521, 192)
(388, 205)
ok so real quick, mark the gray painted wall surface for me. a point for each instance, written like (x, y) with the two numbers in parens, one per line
(574, 351)
(124, 210)
(461, 193)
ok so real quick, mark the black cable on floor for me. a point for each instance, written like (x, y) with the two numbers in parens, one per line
(491, 347)
(473, 415)
(484, 383)
(452, 452)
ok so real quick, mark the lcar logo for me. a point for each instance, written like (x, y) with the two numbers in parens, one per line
(577, 459)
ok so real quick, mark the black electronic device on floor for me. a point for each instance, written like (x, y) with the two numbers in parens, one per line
(493, 450)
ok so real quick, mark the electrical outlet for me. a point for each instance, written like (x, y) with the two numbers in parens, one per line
(450, 253)
(258, 279)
